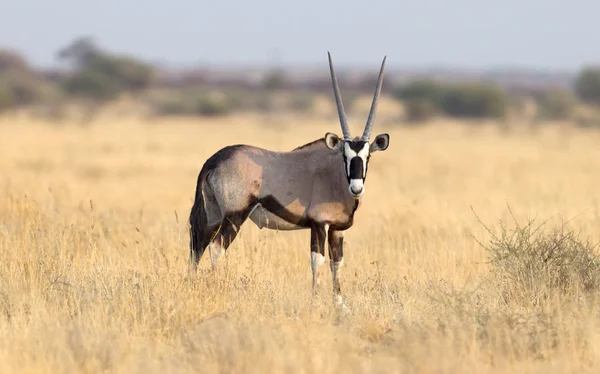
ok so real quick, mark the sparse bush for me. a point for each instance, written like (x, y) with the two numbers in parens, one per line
(420, 89)
(170, 105)
(190, 103)
(532, 262)
(239, 100)
(23, 88)
(587, 120)
(12, 61)
(91, 85)
(262, 102)
(351, 100)
(556, 103)
(419, 109)
(301, 102)
(212, 106)
(274, 80)
(464, 100)
(134, 74)
(473, 100)
(6, 98)
(587, 85)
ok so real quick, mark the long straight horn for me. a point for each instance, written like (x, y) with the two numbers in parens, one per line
(367, 133)
(338, 101)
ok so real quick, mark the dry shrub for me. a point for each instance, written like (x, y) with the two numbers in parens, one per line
(532, 261)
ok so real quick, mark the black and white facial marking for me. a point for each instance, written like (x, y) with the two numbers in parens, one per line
(356, 155)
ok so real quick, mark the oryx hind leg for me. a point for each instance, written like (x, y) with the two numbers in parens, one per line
(225, 233)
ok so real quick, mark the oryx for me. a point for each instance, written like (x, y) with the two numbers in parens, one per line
(317, 186)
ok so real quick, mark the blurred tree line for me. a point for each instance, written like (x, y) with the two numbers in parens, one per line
(97, 75)
(94, 76)
(425, 99)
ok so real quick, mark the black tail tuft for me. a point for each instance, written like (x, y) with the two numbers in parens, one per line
(197, 227)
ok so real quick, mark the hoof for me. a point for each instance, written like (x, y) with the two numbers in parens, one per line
(339, 303)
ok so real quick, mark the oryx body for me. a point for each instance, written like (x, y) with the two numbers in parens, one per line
(317, 186)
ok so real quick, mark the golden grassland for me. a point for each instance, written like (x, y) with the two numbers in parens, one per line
(94, 251)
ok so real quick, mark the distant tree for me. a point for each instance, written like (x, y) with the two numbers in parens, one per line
(79, 53)
(587, 85)
(101, 76)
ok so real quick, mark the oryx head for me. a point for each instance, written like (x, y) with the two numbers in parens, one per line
(357, 151)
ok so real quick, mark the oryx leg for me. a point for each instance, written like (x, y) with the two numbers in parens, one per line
(225, 234)
(336, 260)
(318, 234)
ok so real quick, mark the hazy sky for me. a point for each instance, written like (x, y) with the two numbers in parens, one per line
(550, 34)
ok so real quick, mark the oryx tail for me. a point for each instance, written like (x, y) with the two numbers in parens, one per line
(198, 220)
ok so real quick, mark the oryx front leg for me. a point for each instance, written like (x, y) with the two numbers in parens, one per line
(336, 260)
(317, 252)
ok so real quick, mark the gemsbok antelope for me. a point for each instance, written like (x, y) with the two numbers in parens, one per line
(317, 186)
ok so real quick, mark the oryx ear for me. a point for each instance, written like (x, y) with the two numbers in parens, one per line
(381, 142)
(333, 141)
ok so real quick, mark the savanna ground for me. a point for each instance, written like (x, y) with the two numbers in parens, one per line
(94, 255)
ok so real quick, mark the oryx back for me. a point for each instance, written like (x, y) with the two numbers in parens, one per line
(277, 190)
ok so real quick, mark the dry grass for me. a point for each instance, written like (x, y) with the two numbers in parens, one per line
(94, 251)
